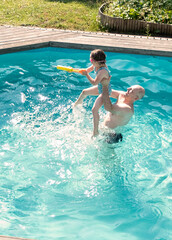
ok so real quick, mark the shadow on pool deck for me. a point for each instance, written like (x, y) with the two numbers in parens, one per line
(14, 39)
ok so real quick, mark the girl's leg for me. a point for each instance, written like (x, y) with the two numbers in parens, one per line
(86, 92)
(98, 103)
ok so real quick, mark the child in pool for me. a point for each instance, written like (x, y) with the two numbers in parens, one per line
(98, 60)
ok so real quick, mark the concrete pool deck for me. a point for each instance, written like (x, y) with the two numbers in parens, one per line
(13, 39)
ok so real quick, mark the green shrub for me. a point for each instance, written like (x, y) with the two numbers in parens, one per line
(159, 11)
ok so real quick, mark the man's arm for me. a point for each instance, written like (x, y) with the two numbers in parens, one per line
(113, 108)
(106, 99)
(115, 93)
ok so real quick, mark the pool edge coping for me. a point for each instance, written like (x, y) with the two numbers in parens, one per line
(22, 38)
(56, 44)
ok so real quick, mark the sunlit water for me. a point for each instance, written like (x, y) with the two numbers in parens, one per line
(58, 183)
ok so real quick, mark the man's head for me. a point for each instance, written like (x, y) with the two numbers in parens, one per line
(135, 92)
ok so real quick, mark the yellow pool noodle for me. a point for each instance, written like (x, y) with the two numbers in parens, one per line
(68, 69)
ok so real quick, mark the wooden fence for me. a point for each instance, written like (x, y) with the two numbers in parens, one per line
(133, 26)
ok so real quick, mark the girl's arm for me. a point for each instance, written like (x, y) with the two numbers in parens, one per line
(90, 69)
(101, 75)
(87, 70)
(91, 80)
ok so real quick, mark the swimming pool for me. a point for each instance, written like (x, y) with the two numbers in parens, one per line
(57, 183)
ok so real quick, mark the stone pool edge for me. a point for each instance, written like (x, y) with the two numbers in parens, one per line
(15, 39)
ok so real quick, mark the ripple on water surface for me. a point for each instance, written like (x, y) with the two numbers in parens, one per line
(55, 177)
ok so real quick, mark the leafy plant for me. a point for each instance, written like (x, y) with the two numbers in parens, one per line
(159, 11)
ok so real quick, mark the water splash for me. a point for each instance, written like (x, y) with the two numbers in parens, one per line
(55, 177)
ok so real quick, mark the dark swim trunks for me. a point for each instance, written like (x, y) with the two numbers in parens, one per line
(113, 138)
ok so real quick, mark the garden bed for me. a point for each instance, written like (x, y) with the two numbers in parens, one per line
(133, 26)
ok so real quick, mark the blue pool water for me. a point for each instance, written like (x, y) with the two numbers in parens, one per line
(58, 183)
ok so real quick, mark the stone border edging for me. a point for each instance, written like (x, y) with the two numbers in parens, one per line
(134, 26)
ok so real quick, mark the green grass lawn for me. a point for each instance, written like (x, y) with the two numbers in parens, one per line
(63, 14)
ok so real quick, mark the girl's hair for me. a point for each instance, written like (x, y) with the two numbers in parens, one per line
(99, 56)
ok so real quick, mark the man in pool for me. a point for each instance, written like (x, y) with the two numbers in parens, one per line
(121, 111)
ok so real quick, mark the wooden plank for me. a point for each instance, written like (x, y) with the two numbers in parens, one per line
(86, 40)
